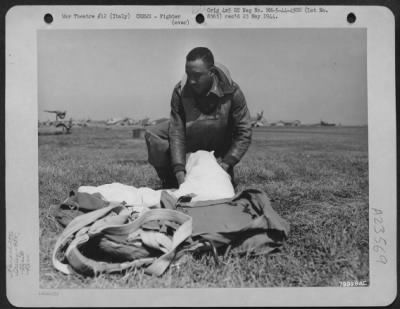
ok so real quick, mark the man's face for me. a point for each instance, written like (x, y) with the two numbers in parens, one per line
(199, 76)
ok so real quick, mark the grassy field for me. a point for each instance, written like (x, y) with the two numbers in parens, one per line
(316, 177)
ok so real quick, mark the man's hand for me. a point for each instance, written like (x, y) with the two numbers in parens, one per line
(224, 166)
(180, 177)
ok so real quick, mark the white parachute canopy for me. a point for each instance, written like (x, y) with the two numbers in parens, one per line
(205, 179)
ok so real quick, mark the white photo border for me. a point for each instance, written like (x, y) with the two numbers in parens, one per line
(22, 192)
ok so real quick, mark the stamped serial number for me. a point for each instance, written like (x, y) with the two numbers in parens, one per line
(353, 283)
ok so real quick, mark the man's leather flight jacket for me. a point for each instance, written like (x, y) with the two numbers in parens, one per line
(220, 121)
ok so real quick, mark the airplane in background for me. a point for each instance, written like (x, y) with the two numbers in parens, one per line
(260, 121)
(65, 125)
(59, 114)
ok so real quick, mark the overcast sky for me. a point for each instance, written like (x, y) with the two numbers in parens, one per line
(304, 74)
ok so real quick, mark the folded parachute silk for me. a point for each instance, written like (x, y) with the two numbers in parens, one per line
(205, 180)
(117, 192)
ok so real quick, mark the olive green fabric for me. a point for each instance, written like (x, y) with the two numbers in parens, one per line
(247, 222)
(156, 249)
(113, 238)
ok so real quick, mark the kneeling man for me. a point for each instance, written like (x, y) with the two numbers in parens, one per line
(208, 112)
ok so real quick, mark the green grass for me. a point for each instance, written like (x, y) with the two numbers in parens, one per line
(316, 178)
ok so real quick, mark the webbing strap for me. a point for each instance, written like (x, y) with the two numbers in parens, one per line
(181, 234)
(73, 227)
(162, 243)
(150, 215)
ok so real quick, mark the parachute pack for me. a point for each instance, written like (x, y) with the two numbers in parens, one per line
(106, 237)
